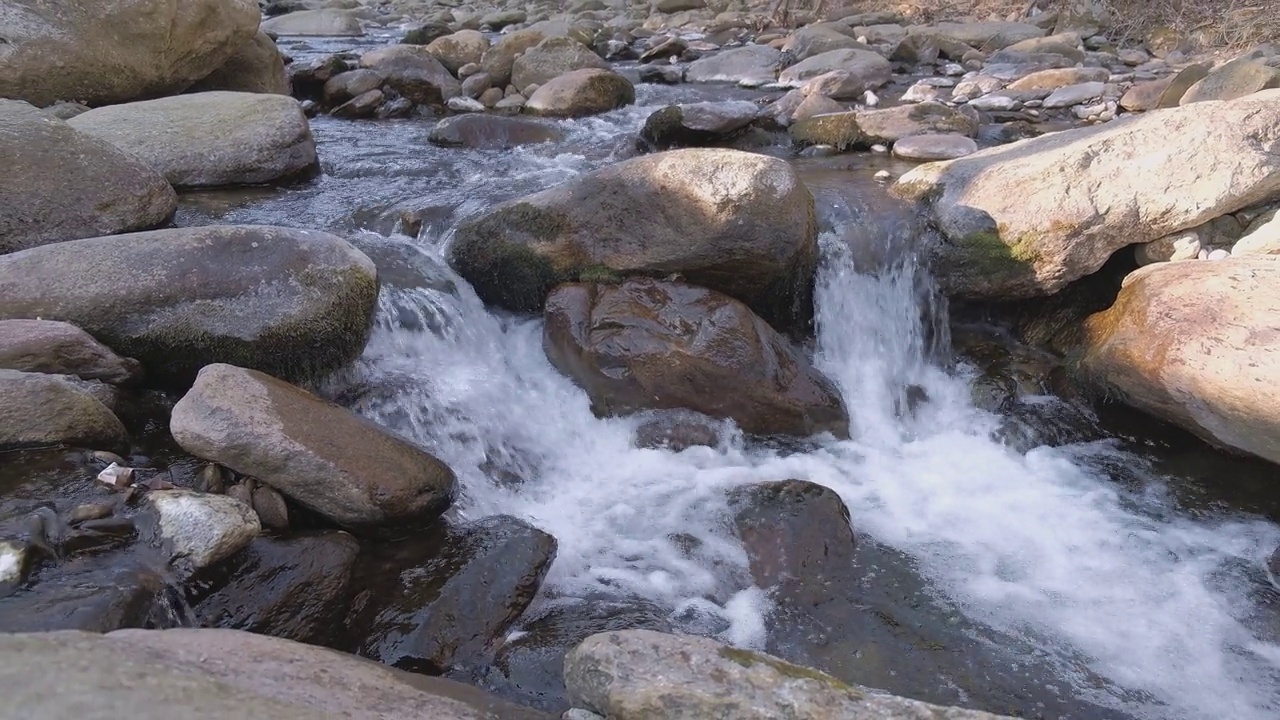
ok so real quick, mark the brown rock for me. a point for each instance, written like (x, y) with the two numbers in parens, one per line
(256, 67)
(58, 348)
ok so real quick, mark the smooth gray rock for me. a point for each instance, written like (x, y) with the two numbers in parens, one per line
(752, 63)
(199, 529)
(324, 22)
(58, 348)
(38, 410)
(257, 67)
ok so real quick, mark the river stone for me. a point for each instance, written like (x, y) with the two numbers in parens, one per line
(294, 303)
(750, 63)
(869, 67)
(647, 344)
(256, 67)
(294, 588)
(736, 222)
(1195, 344)
(1055, 78)
(431, 604)
(837, 85)
(1164, 93)
(642, 674)
(113, 51)
(977, 34)
(207, 673)
(931, 147)
(324, 457)
(550, 59)
(61, 184)
(100, 602)
(1235, 79)
(890, 125)
(837, 130)
(210, 139)
(501, 56)
(1027, 219)
(499, 19)
(460, 48)
(345, 87)
(324, 22)
(42, 410)
(1074, 95)
(1262, 237)
(200, 530)
(817, 39)
(364, 105)
(1066, 44)
(492, 132)
(58, 348)
(1183, 245)
(1083, 17)
(580, 93)
(414, 73)
(696, 124)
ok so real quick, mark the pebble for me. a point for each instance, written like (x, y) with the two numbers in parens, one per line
(880, 148)
(952, 69)
(1219, 254)
(463, 104)
(870, 99)
(884, 176)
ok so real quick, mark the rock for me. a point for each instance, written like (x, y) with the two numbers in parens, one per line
(1074, 95)
(98, 602)
(294, 303)
(1066, 44)
(837, 85)
(60, 184)
(678, 430)
(271, 508)
(294, 588)
(1163, 93)
(200, 530)
(892, 124)
(16, 560)
(460, 48)
(1178, 246)
(697, 124)
(329, 22)
(42, 410)
(491, 97)
(646, 344)
(436, 605)
(916, 50)
(580, 93)
(870, 68)
(58, 49)
(462, 104)
(1084, 17)
(736, 222)
(1027, 219)
(750, 63)
(414, 73)
(501, 56)
(817, 39)
(550, 59)
(324, 457)
(661, 74)
(502, 18)
(58, 348)
(476, 85)
(675, 6)
(1055, 78)
(934, 147)
(256, 67)
(641, 674)
(668, 48)
(210, 139)
(1262, 237)
(1238, 78)
(1193, 343)
(836, 130)
(364, 105)
(346, 86)
(425, 34)
(978, 34)
(308, 78)
(157, 674)
(492, 132)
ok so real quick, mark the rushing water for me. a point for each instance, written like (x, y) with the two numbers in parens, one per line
(1071, 557)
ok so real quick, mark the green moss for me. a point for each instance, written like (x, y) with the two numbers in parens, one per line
(747, 659)
(599, 274)
(987, 254)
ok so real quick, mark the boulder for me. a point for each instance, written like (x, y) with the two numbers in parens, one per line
(890, 125)
(550, 59)
(294, 303)
(1074, 95)
(580, 93)
(1235, 79)
(58, 348)
(817, 39)
(492, 132)
(642, 674)
(159, 674)
(1194, 343)
(1083, 17)
(870, 68)
(1055, 78)
(199, 529)
(934, 146)
(447, 600)
(1262, 237)
(324, 457)
(347, 86)
(755, 64)
(501, 56)
(1166, 92)
(697, 124)
(425, 34)
(60, 184)
(838, 85)
(1029, 218)
(460, 48)
(323, 22)
(648, 344)
(256, 67)
(112, 51)
(736, 222)
(414, 73)
(39, 410)
(1066, 44)
(977, 34)
(210, 139)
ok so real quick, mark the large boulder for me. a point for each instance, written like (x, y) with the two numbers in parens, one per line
(325, 457)
(642, 674)
(1026, 219)
(111, 51)
(195, 673)
(869, 67)
(323, 22)
(648, 344)
(550, 59)
(42, 410)
(580, 93)
(755, 64)
(732, 221)
(60, 184)
(461, 48)
(257, 67)
(1195, 343)
(294, 303)
(58, 348)
(210, 139)
(414, 73)
(1237, 78)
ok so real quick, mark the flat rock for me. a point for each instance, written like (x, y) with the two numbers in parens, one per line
(869, 67)
(932, 147)
(210, 139)
(1074, 95)
(323, 22)
(816, 39)
(1055, 78)
(492, 132)
(58, 348)
(750, 63)
(38, 410)
(696, 124)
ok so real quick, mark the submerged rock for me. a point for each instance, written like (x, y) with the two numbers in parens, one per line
(580, 93)
(58, 348)
(646, 344)
(492, 132)
(323, 456)
(293, 303)
(210, 139)
(125, 598)
(39, 410)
